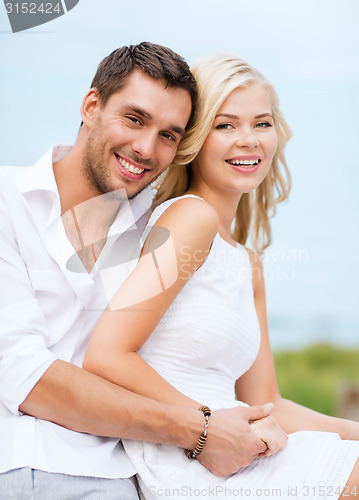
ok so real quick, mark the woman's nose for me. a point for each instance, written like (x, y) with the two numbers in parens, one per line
(247, 138)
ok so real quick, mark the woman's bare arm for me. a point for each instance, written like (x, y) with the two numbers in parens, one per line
(144, 297)
(259, 383)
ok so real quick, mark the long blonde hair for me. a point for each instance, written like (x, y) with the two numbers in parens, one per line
(217, 76)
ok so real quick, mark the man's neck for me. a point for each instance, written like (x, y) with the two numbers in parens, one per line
(86, 216)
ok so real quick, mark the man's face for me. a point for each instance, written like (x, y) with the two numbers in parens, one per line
(134, 137)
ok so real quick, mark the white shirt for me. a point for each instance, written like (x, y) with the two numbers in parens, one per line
(48, 311)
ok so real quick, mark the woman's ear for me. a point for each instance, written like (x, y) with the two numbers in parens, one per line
(89, 107)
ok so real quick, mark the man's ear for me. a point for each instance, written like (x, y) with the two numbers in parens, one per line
(89, 107)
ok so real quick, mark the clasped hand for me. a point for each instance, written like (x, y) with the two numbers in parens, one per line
(270, 432)
(238, 435)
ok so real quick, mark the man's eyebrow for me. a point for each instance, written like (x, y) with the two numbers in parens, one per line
(236, 117)
(138, 110)
(142, 112)
(178, 130)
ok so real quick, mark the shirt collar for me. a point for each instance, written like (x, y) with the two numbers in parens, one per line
(130, 211)
(41, 179)
(41, 176)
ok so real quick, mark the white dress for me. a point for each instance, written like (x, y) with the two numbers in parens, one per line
(207, 339)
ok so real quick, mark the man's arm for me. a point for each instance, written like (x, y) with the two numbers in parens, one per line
(83, 402)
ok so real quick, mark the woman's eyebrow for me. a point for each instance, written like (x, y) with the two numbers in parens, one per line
(236, 117)
(228, 115)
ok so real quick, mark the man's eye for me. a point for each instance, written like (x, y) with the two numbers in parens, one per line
(134, 119)
(168, 136)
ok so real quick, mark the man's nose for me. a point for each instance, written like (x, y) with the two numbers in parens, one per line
(145, 145)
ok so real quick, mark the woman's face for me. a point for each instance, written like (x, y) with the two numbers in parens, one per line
(239, 149)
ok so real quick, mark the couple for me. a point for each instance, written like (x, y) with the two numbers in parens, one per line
(193, 306)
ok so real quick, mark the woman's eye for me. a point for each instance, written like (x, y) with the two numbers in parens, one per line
(264, 125)
(224, 126)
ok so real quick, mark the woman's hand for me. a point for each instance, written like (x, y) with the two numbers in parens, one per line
(271, 433)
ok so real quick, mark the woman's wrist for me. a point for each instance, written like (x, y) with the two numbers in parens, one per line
(349, 429)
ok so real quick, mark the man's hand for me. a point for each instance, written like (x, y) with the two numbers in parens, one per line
(271, 433)
(232, 442)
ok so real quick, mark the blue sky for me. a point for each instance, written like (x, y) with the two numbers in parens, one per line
(308, 50)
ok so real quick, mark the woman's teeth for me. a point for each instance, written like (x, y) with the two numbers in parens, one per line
(246, 163)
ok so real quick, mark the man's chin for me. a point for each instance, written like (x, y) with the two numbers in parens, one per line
(135, 188)
(133, 191)
(125, 193)
(131, 196)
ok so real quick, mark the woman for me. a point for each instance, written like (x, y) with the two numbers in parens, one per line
(190, 324)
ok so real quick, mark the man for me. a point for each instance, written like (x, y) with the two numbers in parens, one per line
(63, 233)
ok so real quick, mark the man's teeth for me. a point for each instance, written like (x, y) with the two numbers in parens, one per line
(131, 168)
(244, 162)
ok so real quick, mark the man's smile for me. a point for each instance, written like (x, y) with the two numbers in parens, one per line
(129, 168)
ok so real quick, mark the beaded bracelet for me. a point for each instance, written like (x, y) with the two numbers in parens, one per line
(201, 442)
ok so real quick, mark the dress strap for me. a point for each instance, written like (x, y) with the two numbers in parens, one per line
(158, 211)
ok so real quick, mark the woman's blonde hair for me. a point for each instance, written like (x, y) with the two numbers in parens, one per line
(217, 76)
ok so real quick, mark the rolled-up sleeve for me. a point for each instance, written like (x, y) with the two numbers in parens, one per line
(24, 357)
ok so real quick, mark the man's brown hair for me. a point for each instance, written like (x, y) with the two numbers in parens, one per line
(156, 61)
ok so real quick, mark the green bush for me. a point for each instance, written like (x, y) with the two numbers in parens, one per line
(311, 376)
